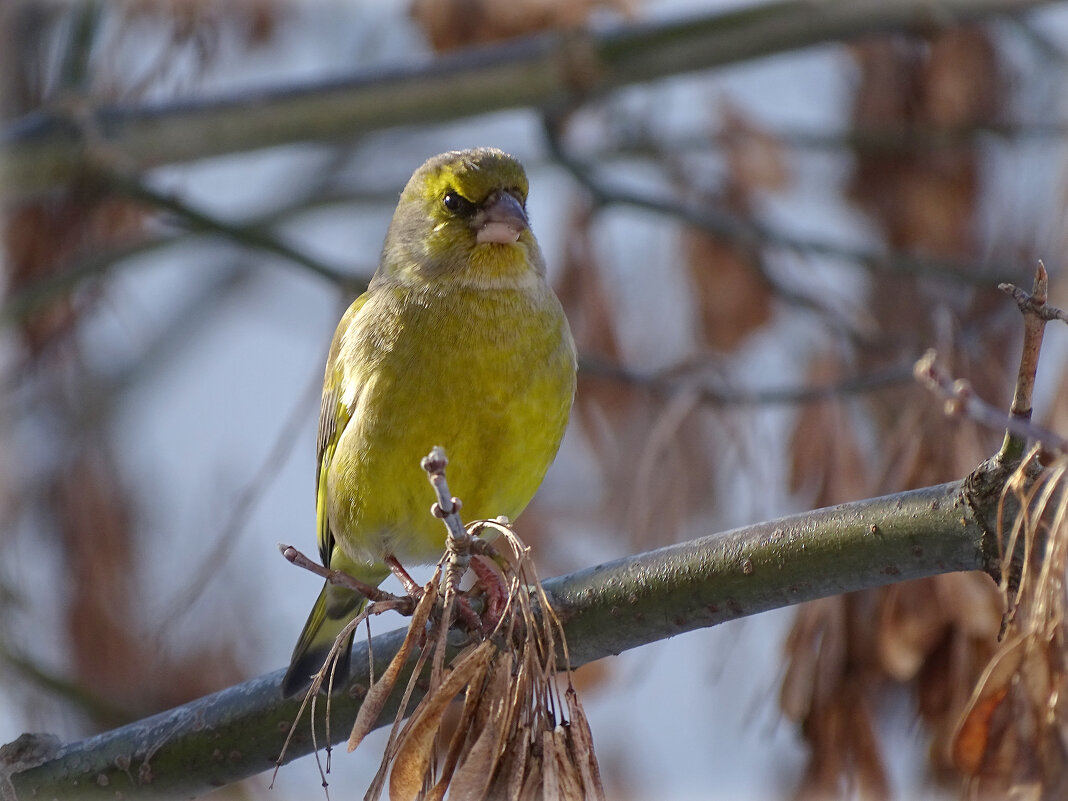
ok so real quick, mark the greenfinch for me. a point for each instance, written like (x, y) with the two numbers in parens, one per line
(458, 341)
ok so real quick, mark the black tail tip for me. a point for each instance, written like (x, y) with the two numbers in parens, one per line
(304, 669)
(293, 682)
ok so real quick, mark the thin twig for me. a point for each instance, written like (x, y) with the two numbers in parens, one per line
(458, 542)
(457, 547)
(1036, 314)
(445, 507)
(342, 579)
(668, 382)
(635, 141)
(961, 400)
(751, 235)
(195, 219)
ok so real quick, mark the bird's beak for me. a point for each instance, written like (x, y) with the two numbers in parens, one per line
(501, 219)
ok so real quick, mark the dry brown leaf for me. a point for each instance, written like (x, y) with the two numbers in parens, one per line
(46, 238)
(925, 198)
(567, 769)
(815, 657)
(553, 783)
(756, 160)
(534, 779)
(932, 634)
(511, 700)
(973, 734)
(617, 417)
(962, 78)
(592, 675)
(475, 773)
(582, 748)
(972, 601)
(416, 744)
(1010, 740)
(873, 784)
(512, 772)
(457, 743)
(827, 463)
(911, 623)
(450, 24)
(733, 299)
(938, 210)
(379, 692)
(828, 763)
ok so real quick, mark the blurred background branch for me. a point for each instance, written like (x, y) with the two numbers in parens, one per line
(55, 145)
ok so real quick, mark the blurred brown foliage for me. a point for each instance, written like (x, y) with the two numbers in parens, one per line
(1010, 740)
(934, 636)
(452, 24)
(43, 238)
(119, 666)
(733, 298)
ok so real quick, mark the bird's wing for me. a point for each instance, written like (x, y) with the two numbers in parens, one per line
(334, 415)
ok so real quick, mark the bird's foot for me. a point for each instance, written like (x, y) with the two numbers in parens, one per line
(496, 593)
(410, 585)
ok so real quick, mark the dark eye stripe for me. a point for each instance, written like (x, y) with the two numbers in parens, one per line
(457, 203)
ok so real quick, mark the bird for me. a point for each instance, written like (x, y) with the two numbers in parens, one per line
(458, 341)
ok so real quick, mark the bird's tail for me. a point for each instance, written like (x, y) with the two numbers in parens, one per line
(334, 609)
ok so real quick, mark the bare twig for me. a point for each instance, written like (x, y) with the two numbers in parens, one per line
(446, 507)
(671, 381)
(751, 235)
(457, 549)
(43, 290)
(635, 141)
(1036, 314)
(961, 400)
(343, 579)
(197, 220)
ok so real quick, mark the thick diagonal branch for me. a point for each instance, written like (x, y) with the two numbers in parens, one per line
(239, 731)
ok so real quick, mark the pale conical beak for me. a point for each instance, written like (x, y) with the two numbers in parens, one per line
(501, 219)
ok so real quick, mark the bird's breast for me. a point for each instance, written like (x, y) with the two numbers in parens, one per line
(489, 376)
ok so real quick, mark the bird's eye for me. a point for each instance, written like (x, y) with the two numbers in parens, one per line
(456, 203)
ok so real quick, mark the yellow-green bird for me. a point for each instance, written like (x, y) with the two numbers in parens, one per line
(458, 341)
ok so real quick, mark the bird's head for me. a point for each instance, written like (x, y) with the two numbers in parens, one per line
(463, 215)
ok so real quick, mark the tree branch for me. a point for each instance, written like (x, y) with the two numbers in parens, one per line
(752, 235)
(721, 394)
(196, 220)
(50, 146)
(238, 732)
